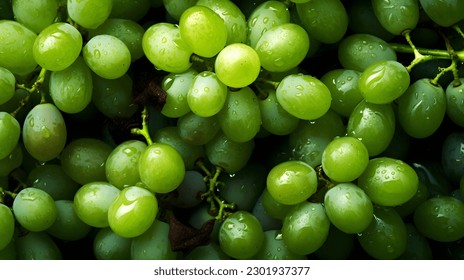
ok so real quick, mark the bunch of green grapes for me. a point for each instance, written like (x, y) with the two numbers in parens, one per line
(231, 129)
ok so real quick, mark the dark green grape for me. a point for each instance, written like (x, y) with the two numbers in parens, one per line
(7, 226)
(325, 20)
(153, 244)
(409, 206)
(211, 251)
(241, 235)
(418, 247)
(444, 13)
(37, 246)
(188, 193)
(68, 226)
(12, 161)
(363, 20)
(386, 236)
(274, 118)
(440, 218)
(274, 248)
(272, 207)
(7, 85)
(452, 158)
(305, 228)
(10, 131)
(128, 9)
(455, 102)
(176, 86)
(197, 130)
(421, 108)
(373, 124)
(358, 51)
(338, 245)
(52, 179)
(267, 222)
(107, 245)
(388, 181)
(9, 252)
(36, 15)
(84, 159)
(397, 16)
(227, 154)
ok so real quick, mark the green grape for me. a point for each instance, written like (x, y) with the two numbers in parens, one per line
(455, 102)
(52, 179)
(304, 96)
(418, 248)
(308, 141)
(338, 245)
(274, 118)
(237, 65)
(107, 56)
(343, 86)
(274, 248)
(227, 154)
(34, 209)
(10, 131)
(386, 236)
(84, 159)
(348, 207)
(107, 245)
(267, 222)
(240, 117)
(233, 18)
(71, 88)
(265, 16)
(161, 168)
(121, 166)
(190, 153)
(241, 235)
(44, 132)
(9, 252)
(211, 251)
(7, 85)
(199, 216)
(132, 212)
(7, 226)
(176, 86)
(153, 244)
(291, 182)
(92, 202)
(113, 97)
(388, 181)
(68, 226)
(373, 124)
(364, 21)
(443, 13)
(37, 246)
(89, 13)
(12, 161)
(245, 186)
(165, 48)
(397, 16)
(305, 228)
(57, 46)
(207, 94)
(272, 207)
(344, 159)
(410, 206)
(359, 51)
(383, 81)
(421, 108)
(175, 8)
(452, 156)
(282, 47)
(130, 9)
(204, 31)
(18, 59)
(325, 20)
(187, 195)
(128, 31)
(197, 130)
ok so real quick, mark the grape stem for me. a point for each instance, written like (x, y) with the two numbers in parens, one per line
(30, 90)
(144, 130)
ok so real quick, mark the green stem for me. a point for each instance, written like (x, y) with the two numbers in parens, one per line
(452, 67)
(144, 130)
(31, 90)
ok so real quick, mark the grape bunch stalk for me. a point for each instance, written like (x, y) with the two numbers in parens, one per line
(231, 129)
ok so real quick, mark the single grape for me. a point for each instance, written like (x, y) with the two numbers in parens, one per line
(10, 131)
(34, 209)
(188, 194)
(211, 251)
(12, 161)
(129, 9)
(237, 65)
(274, 248)
(89, 13)
(92, 201)
(37, 246)
(397, 16)
(132, 212)
(362, 20)
(452, 156)
(241, 235)
(107, 245)
(418, 247)
(207, 94)
(292, 182)
(68, 226)
(272, 207)
(7, 85)
(455, 102)
(443, 13)
(174, 8)
(36, 15)
(7, 226)
(51, 178)
(107, 56)
(153, 244)
(338, 245)
(197, 130)
(57, 46)
(176, 86)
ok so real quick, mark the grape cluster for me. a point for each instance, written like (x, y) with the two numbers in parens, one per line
(231, 129)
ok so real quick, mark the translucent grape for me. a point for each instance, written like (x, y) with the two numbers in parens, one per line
(176, 86)
(89, 13)
(207, 94)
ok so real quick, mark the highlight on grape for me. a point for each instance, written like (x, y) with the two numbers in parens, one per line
(231, 129)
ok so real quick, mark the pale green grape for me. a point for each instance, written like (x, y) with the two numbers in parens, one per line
(240, 118)
(163, 46)
(10, 131)
(107, 56)
(89, 13)
(176, 86)
(7, 85)
(204, 31)
(44, 132)
(282, 47)
(57, 46)
(36, 15)
(18, 59)
(71, 88)
(207, 94)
